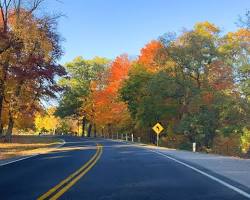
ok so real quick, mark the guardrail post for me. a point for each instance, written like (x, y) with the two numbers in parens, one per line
(132, 137)
(194, 147)
(126, 137)
(139, 139)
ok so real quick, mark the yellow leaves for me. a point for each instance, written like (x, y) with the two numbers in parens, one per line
(242, 35)
(233, 41)
(170, 64)
(46, 121)
(33, 35)
(245, 140)
(206, 29)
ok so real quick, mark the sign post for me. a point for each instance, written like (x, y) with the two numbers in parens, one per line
(157, 128)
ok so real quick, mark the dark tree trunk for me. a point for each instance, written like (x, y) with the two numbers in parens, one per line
(10, 128)
(83, 125)
(94, 130)
(1, 128)
(102, 132)
(89, 129)
(2, 90)
(1, 108)
(11, 105)
(109, 130)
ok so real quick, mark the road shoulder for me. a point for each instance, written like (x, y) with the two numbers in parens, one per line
(230, 170)
(31, 153)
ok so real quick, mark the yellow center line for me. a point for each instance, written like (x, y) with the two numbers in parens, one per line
(55, 188)
(71, 183)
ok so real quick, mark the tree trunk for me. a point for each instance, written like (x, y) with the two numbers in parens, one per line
(109, 130)
(10, 128)
(1, 108)
(2, 90)
(83, 125)
(89, 129)
(102, 132)
(94, 130)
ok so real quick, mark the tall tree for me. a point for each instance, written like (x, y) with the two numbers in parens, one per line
(110, 111)
(30, 63)
(76, 98)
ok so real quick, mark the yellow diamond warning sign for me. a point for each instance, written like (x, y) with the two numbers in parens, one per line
(157, 128)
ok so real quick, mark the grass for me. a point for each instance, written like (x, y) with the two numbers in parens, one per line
(27, 145)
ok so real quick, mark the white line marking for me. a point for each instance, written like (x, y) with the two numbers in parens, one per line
(243, 193)
(13, 161)
(26, 157)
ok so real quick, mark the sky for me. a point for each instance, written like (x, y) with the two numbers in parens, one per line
(109, 28)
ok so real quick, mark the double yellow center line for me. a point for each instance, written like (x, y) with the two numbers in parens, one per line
(67, 183)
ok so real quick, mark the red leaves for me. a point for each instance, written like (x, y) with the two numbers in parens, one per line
(220, 76)
(207, 97)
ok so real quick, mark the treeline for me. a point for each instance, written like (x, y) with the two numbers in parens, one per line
(29, 51)
(196, 84)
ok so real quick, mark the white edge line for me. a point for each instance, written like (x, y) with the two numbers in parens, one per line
(13, 161)
(243, 193)
(26, 157)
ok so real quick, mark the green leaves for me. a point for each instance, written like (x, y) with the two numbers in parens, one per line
(200, 84)
(81, 74)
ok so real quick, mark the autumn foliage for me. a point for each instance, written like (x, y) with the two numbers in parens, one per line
(148, 54)
(29, 51)
(109, 109)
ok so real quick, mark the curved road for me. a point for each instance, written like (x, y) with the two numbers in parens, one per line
(112, 170)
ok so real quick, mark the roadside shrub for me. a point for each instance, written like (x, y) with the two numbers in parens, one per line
(176, 142)
(245, 141)
(186, 146)
(229, 146)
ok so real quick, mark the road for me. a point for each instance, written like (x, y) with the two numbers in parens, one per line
(105, 169)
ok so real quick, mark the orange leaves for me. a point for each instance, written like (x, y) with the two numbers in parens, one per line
(119, 69)
(233, 41)
(242, 35)
(148, 54)
(207, 97)
(108, 108)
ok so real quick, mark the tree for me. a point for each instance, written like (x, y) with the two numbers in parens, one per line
(47, 121)
(244, 22)
(28, 52)
(77, 96)
(194, 75)
(109, 110)
(12, 12)
(148, 54)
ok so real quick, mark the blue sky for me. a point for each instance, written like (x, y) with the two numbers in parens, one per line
(109, 28)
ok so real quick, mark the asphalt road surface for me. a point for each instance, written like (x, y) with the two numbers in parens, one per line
(104, 169)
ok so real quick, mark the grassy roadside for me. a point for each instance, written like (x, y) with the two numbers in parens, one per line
(27, 145)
